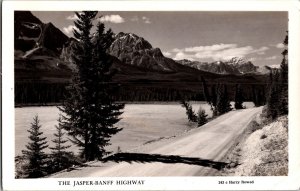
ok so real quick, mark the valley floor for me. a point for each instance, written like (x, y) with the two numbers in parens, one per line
(198, 152)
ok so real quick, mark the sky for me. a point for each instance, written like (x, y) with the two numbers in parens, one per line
(202, 36)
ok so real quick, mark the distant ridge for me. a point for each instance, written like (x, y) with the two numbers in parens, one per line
(235, 66)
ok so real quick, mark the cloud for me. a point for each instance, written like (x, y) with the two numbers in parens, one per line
(146, 20)
(167, 53)
(271, 58)
(225, 54)
(279, 45)
(177, 50)
(182, 55)
(134, 19)
(142, 19)
(262, 49)
(112, 19)
(69, 29)
(72, 17)
(274, 66)
(218, 52)
(252, 59)
(215, 47)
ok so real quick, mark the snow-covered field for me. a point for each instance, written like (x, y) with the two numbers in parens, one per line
(141, 123)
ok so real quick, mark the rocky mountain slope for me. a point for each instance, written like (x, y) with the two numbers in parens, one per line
(37, 49)
(42, 46)
(31, 33)
(43, 55)
(235, 66)
(134, 50)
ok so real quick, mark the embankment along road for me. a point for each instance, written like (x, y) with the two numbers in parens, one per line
(194, 153)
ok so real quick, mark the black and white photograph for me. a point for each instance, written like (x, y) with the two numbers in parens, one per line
(137, 94)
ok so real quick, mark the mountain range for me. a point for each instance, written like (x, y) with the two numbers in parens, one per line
(235, 66)
(42, 53)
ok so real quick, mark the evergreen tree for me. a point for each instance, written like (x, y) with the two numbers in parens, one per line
(202, 117)
(223, 103)
(59, 153)
(214, 95)
(91, 113)
(205, 91)
(238, 98)
(263, 96)
(213, 104)
(254, 97)
(283, 106)
(277, 99)
(189, 111)
(108, 111)
(218, 98)
(273, 96)
(227, 105)
(210, 98)
(34, 153)
(258, 96)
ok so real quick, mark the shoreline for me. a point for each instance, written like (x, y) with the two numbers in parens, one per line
(125, 102)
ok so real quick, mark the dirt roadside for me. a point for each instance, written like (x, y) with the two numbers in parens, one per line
(262, 151)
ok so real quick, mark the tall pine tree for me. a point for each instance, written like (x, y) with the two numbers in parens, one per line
(273, 95)
(223, 103)
(189, 110)
(90, 110)
(283, 106)
(59, 153)
(207, 97)
(258, 95)
(35, 155)
(218, 99)
(238, 97)
(277, 100)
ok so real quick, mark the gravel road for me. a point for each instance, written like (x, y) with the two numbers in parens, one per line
(193, 153)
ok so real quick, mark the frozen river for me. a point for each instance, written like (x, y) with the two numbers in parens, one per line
(141, 123)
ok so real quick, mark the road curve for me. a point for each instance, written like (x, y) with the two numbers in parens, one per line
(191, 154)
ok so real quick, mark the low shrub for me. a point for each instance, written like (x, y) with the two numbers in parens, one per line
(202, 117)
(254, 126)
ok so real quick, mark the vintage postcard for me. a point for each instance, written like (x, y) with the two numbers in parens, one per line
(150, 95)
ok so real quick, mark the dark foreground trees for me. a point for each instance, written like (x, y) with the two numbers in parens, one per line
(223, 101)
(35, 163)
(201, 117)
(217, 98)
(258, 95)
(35, 156)
(284, 79)
(238, 97)
(90, 112)
(189, 110)
(277, 97)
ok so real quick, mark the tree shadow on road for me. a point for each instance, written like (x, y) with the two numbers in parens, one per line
(145, 158)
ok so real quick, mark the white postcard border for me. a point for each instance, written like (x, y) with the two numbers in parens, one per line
(290, 182)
